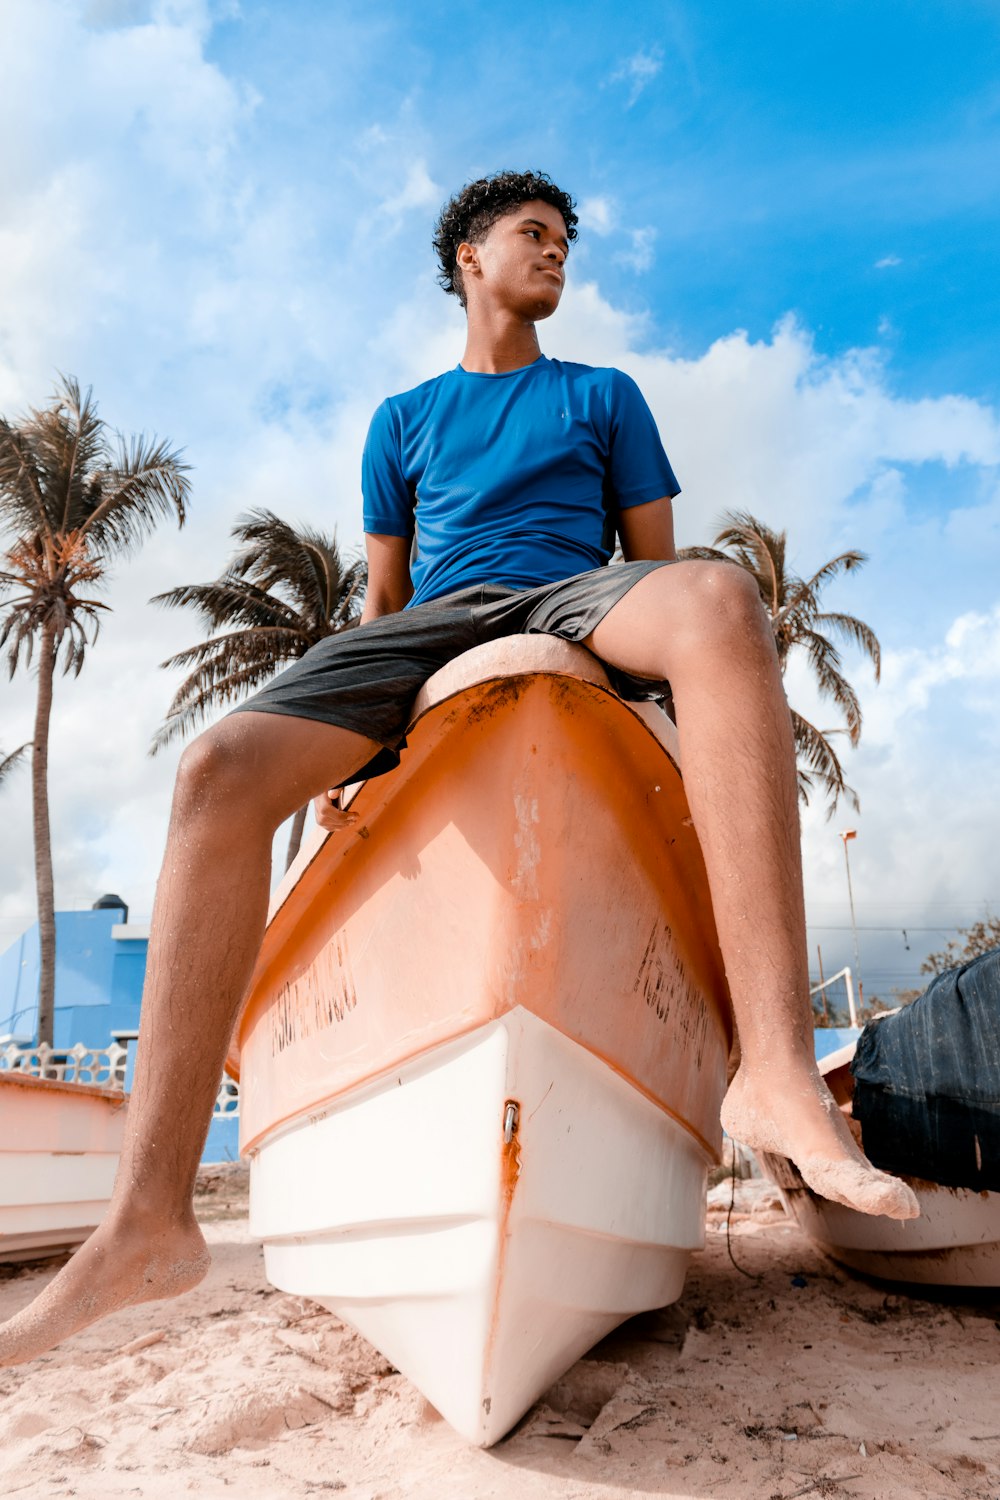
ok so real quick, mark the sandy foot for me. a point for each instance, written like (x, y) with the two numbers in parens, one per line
(115, 1268)
(806, 1126)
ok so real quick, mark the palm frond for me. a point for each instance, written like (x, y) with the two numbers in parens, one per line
(825, 660)
(232, 600)
(214, 671)
(821, 764)
(146, 483)
(844, 562)
(346, 611)
(858, 633)
(10, 762)
(759, 549)
(798, 621)
(22, 504)
(59, 445)
(188, 715)
(75, 640)
(257, 643)
(285, 589)
(705, 554)
(302, 562)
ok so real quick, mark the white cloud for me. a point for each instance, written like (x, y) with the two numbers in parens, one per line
(887, 261)
(773, 427)
(968, 655)
(115, 12)
(600, 215)
(640, 256)
(418, 191)
(597, 213)
(638, 71)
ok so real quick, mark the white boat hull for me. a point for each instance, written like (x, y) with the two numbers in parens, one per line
(59, 1150)
(484, 1267)
(954, 1242)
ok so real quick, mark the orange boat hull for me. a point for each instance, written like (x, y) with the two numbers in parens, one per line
(534, 848)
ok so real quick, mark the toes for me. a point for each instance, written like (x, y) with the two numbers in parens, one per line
(860, 1186)
(905, 1204)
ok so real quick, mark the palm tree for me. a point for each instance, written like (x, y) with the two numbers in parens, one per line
(793, 604)
(73, 498)
(283, 591)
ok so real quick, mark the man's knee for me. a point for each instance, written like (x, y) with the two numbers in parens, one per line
(211, 768)
(728, 595)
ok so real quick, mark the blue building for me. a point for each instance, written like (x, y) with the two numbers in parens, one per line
(100, 969)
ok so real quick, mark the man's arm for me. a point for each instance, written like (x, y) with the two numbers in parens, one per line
(389, 589)
(647, 532)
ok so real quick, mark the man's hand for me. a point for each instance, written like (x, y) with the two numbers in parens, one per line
(329, 812)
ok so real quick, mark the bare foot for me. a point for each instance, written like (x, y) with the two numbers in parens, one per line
(803, 1122)
(122, 1263)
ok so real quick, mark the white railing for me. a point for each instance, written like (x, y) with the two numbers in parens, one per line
(228, 1100)
(79, 1064)
(105, 1066)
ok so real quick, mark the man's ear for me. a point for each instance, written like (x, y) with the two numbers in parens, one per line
(467, 258)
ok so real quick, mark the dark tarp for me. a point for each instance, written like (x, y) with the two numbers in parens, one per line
(927, 1081)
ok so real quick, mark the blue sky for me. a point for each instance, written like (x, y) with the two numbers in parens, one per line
(839, 160)
(220, 215)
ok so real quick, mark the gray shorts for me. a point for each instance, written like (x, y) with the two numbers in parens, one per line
(366, 679)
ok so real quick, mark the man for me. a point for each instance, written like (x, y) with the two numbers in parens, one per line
(513, 464)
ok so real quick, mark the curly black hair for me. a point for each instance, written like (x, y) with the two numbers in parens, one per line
(471, 214)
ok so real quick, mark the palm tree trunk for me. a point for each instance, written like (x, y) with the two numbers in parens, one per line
(43, 841)
(295, 837)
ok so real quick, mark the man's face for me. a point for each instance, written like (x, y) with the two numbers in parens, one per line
(519, 266)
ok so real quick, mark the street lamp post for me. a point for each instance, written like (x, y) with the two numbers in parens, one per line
(851, 833)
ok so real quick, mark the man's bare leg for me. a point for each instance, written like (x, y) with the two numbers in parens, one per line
(235, 786)
(701, 625)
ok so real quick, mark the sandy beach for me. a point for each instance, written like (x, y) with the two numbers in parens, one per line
(788, 1377)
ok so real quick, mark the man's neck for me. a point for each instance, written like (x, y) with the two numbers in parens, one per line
(498, 343)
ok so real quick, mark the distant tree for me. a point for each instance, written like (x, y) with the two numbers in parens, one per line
(283, 591)
(874, 1006)
(73, 500)
(797, 620)
(971, 942)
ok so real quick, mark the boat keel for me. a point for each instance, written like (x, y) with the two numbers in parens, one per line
(484, 1214)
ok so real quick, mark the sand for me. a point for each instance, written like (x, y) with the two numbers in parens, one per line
(802, 1381)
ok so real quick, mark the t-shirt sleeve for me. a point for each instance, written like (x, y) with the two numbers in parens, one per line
(638, 469)
(388, 500)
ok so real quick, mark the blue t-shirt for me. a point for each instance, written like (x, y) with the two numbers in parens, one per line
(510, 478)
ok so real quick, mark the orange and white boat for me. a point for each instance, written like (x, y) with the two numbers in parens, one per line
(485, 1047)
(955, 1241)
(59, 1149)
